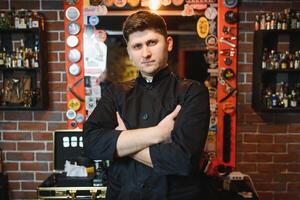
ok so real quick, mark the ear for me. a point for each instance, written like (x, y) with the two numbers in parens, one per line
(170, 43)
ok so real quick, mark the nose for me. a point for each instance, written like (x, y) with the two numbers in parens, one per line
(146, 53)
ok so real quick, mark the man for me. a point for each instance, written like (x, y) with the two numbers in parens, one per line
(152, 129)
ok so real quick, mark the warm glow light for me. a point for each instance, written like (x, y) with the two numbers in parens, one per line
(154, 4)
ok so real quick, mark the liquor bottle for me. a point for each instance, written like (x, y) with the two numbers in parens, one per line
(36, 56)
(1, 59)
(283, 63)
(285, 101)
(35, 20)
(274, 100)
(14, 60)
(264, 59)
(19, 59)
(271, 60)
(263, 22)
(297, 60)
(293, 101)
(298, 20)
(29, 20)
(276, 60)
(273, 21)
(268, 21)
(257, 23)
(279, 21)
(268, 99)
(293, 20)
(287, 12)
(8, 61)
(291, 61)
(284, 25)
(26, 60)
(16, 20)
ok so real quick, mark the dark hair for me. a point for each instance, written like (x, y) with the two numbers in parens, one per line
(143, 20)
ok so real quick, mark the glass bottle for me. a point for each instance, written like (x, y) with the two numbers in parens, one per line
(1, 59)
(263, 22)
(293, 20)
(268, 21)
(296, 60)
(283, 63)
(293, 101)
(257, 23)
(298, 20)
(279, 21)
(273, 21)
(264, 59)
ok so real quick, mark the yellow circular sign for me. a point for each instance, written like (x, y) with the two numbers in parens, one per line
(133, 3)
(202, 27)
(74, 104)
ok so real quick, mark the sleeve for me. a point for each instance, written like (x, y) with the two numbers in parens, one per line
(99, 134)
(182, 155)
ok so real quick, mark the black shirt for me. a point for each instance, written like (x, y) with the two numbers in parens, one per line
(141, 105)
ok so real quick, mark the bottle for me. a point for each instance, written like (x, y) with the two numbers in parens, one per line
(19, 59)
(273, 21)
(263, 22)
(287, 12)
(35, 20)
(276, 60)
(298, 20)
(1, 59)
(14, 60)
(279, 21)
(291, 61)
(285, 101)
(268, 21)
(257, 23)
(284, 25)
(293, 20)
(99, 172)
(272, 60)
(264, 59)
(274, 100)
(283, 63)
(297, 60)
(293, 101)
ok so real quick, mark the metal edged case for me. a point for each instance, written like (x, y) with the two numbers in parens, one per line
(68, 145)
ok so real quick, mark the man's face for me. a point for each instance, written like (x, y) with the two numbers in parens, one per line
(148, 51)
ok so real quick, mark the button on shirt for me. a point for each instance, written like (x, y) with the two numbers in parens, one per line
(140, 105)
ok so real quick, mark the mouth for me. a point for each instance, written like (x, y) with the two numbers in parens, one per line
(147, 62)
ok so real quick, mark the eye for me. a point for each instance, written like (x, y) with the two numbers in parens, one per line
(137, 46)
(152, 42)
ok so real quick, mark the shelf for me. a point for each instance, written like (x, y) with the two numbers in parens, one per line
(18, 69)
(272, 78)
(281, 70)
(264, 109)
(15, 31)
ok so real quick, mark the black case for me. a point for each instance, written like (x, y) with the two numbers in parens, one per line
(68, 145)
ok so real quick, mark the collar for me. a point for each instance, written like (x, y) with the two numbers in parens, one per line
(156, 79)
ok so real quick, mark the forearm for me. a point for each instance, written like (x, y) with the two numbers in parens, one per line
(132, 141)
(143, 156)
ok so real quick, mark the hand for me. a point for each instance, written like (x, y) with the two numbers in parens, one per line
(166, 125)
(121, 126)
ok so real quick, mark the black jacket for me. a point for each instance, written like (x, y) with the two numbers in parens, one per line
(142, 104)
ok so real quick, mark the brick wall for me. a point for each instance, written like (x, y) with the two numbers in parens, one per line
(268, 148)
(268, 145)
(26, 137)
